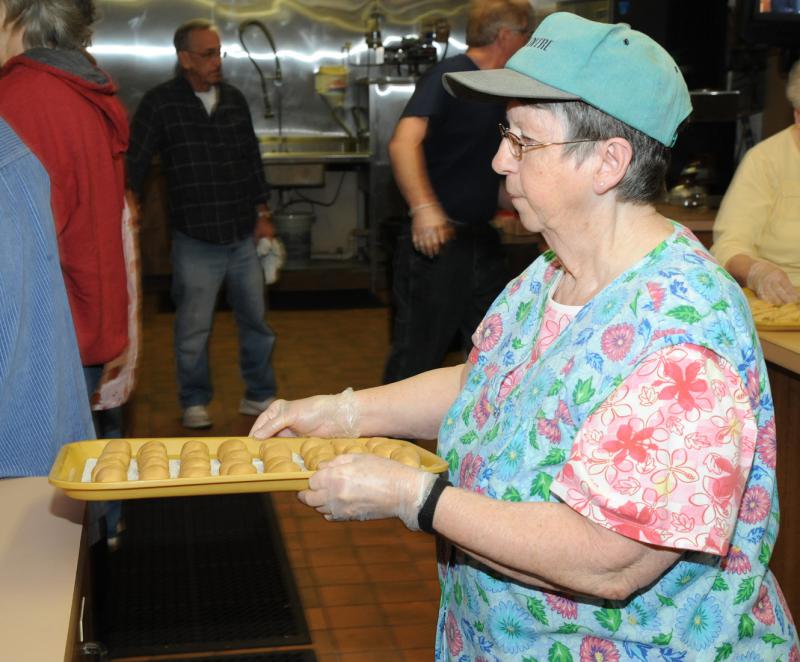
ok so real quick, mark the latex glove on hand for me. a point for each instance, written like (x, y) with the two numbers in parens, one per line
(430, 229)
(317, 416)
(771, 283)
(363, 487)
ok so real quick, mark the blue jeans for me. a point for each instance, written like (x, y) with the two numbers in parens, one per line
(198, 271)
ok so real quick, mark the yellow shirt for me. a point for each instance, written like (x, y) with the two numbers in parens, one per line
(760, 213)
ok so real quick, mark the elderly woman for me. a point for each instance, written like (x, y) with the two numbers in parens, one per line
(611, 438)
(757, 230)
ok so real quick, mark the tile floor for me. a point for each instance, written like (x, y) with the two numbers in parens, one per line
(369, 589)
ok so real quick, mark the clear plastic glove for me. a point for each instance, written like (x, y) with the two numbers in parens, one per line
(317, 416)
(363, 487)
(771, 283)
(430, 230)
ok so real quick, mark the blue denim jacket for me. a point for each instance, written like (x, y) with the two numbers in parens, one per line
(43, 399)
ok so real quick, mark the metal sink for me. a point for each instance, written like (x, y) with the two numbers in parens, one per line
(313, 147)
(291, 161)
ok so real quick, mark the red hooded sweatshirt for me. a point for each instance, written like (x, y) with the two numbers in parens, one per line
(67, 112)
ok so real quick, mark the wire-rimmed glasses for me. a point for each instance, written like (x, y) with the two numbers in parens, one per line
(209, 53)
(518, 146)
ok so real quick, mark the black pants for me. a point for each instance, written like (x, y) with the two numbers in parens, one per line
(436, 297)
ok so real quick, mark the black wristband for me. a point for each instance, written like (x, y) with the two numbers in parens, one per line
(425, 517)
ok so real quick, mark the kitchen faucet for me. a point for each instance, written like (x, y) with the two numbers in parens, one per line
(277, 78)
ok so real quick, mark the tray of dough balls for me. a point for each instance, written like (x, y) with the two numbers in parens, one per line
(148, 468)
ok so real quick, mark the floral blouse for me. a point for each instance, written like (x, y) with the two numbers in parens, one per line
(647, 411)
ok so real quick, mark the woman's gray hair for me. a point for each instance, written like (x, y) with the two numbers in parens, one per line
(793, 85)
(181, 37)
(51, 23)
(644, 180)
(486, 17)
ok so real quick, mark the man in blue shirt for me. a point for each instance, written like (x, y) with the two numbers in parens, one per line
(449, 266)
(43, 399)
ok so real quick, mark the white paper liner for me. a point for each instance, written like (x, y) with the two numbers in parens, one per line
(175, 466)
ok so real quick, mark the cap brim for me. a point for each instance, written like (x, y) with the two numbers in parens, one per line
(501, 85)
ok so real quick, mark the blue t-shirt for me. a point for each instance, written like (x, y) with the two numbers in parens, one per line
(462, 140)
(43, 399)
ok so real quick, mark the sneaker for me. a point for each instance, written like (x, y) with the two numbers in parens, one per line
(254, 407)
(196, 417)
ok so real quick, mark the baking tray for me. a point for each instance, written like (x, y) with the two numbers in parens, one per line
(72, 466)
(757, 305)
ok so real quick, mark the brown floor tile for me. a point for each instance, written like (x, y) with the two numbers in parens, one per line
(315, 617)
(309, 596)
(415, 636)
(381, 553)
(352, 594)
(405, 613)
(352, 616)
(351, 640)
(333, 575)
(322, 641)
(330, 556)
(372, 656)
(418, 654)
(406, 591)
(391, 572)
(319, 539)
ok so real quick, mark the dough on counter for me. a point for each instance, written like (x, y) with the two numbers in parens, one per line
(356, 447)
(385, 449)
(230, 445)
(374, 441)
(283, 466)
(153, 472)
(110, 474)
(339, 445)
(406, 455)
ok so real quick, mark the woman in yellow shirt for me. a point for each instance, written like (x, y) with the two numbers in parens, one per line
(757, 230)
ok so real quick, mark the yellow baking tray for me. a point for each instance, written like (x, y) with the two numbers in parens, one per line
(772, 317)
(71, 468)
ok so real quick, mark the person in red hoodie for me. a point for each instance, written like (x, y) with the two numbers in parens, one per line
(66, 110)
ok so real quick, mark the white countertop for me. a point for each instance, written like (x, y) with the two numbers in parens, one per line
(40, 535)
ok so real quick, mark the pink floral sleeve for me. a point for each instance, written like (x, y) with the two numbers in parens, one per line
(664, 460)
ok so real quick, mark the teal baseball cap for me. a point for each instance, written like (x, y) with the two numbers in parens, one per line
(620, 71)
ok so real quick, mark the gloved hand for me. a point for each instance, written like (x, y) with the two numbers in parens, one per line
(317, 416)
(771, 283)
(430, 229)
(364, 486)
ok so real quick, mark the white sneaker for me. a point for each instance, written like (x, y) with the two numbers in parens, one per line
(254, 407)
(196, 417)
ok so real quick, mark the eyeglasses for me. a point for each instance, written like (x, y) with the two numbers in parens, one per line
(518, 147)
(209, 54)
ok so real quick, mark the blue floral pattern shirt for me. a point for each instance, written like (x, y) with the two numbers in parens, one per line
(705, 607)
